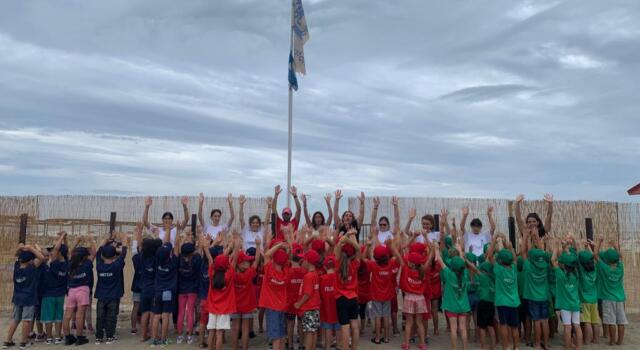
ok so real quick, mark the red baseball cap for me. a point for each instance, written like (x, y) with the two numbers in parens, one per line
(312, 257)
(329, 261)
(280, 257)
(297, 250)
(242, 257)
(318, 245)
(286, 210)
(221, 263)
(381, 251)
(417, 258)
(349, 249)
(417, 247)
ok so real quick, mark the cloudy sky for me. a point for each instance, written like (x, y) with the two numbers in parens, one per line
(463, 98)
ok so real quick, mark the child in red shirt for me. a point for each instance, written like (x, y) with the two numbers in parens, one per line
(383, 278)
(296, 274)
(221, 299)
(364, 285)
(309, 299)
(348, 251)
(273, 296)
(328, 314)
(245, 297)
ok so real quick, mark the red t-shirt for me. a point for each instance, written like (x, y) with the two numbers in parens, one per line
(245, 291)
(328, 312)
(222, 301)
(311, 287)
(384, 280)
(435, 285)
(281, 223)
(364, 284)
(410, 281)
(296, 274)
(349, 287)
(274, 288)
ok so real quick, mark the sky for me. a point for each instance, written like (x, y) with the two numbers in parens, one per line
(409, 98)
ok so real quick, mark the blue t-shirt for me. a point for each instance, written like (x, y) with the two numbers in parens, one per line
(83, 275)
(166, 275)
(148, 273)
(25, 285)
(203, 285)
(55, 278)
(110, 277)
(136, 281)
(188, 274)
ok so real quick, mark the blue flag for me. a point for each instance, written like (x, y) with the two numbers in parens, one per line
(293, 80)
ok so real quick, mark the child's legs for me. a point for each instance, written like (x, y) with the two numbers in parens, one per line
(435, 305)
(566, 336)
(100, 319)
(80, 318)
(190, 309)
(26, 329)
(147, 317)
(346, 334)
(235, 331)
(12, 329)
(155, 323)
(515, 336)
(48, 329)
(355, 334)
(261, 320)
(408, 327)
(578, 330)
(620, 334)
(166, 318)
(377, 324)
(290, 325)
(454, 332)
(69, 313)
(420, 325)
(182, 304)
(134, 315)
(113, 308)
(219, 337)
(504, 335)
(462, 325)
(246, 325)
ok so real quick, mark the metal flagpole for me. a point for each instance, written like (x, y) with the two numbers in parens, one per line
(290, 123)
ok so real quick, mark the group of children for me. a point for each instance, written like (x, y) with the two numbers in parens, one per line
(322, 282)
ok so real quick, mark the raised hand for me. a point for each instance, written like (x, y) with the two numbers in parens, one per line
(185, 200)
(242, 199)
(304, 198)
(294, 191)
(327, 198)
(465, 211)
(394, 200)
(412, 213)
(277, 190)
(338, 194)
(444, 212)
(230, 198)
(148, 201)
(548, 198)
(520, 198)
(376, 202)
(489, 210)
(361, 197)
(258, 241)
(269, 202)
(201, 198)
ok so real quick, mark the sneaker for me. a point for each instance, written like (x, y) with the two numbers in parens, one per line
(110, 341)
(99, 341)
(41, 337)
(81, 340)
(190, 339)
(49, 341)
(69, 340)
(252, 334)
(166, 342)
(155, 342)
(134, 332)
(8, 344)
(22, 346)
(58, 341)
(180, 339)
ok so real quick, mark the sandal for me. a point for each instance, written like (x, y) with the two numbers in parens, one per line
(203, 346)
(385, 340)
(373, 340)
(405, 346)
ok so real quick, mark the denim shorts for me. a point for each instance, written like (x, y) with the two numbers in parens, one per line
(146, 303)
(276, 324)
(331, 326)
(538, 310)
(161, 306)
(508, 316)
(474, 298)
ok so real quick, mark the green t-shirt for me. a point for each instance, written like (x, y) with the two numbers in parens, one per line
(612, 281)
(454, 296)
(588, 290)
(599, 276)
(486, 286)
(536, 282)
(567, 285)
(506, 280)
(520, 283)
(552, 283)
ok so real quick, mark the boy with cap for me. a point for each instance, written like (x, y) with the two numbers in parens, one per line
(567, 285)
(535, 271)
(246, 302)
(611, 271)
(328, 313)
(287, 215)
(588, 294)
(308, 302)
(54, 287)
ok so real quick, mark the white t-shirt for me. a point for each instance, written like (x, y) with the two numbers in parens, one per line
(384, 236)
(474, 243)
(249, 238)
(213, 231)
(433, 236)
(172, 234)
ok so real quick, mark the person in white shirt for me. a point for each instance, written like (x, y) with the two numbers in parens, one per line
(167, 220)
(216, 227)
(475, 239)
(428, 223)
(382, 227)
(317, 221)
(256, 229)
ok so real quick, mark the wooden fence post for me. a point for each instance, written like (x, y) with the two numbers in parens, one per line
(23, 228)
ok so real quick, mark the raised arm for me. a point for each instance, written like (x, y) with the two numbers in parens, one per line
(200, 209)
(241, 200)
(62, 235)
(204, 245)
(256, 261)
(327, 199)
(39, 258)
(548, 198)
(336, 206)
(407, 226)
(489, 255)
(444, 221)
(307, 218)
(267, 216)
(361, 213)
(395, 251)
(185, 209)
(177, 246)
(232, 213)
(374, 212)
(521, 226)
(92, 247)
(554, 253)
(470, 265)
(463, 221)
(492, 222)
(296, 201)
(145, 217)
(396, 212)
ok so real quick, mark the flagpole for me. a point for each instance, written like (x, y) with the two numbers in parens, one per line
(290, 123)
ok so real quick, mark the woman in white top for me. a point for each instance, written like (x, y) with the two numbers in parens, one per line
(428, 223)
(475, 239)
(167, 220)
(317, 220)
(215, 230)
(382, 228)
(256, 229)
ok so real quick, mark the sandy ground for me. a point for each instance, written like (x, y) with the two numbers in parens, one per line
(127, 341)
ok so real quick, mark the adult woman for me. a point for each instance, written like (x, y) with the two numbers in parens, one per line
(255, 231)
(167, 220)
(381, 229)
(348, 221)
(317, 220)
(533, 221)
(215, 228)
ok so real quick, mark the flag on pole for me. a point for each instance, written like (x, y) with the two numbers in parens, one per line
(300, 35)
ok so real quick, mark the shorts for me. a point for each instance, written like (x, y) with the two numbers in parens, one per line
(569, 317)
(52, 309)
(362, 310)
(162, 306)
(219, 322)
(276, 324)
(486, 314)
(290, 317)
(381, 309)
(523, 310)
(146, 303)
(454, 314)
(508, 316)
(135, 297)
(23, 313)
(347, 309)
(78, 296)
(246, 316)
(474, 298)
(414, 304)
(613, 313)
(204, 315)
(538, 310)
(394, 304)
(311, 321)
(589, 313)
(330, 326)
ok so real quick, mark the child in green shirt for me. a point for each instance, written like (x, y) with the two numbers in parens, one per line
(567, 285)
(535, 272)
(611, 269)
(588, 294)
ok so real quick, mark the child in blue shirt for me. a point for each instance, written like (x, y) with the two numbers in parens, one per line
(188, 274)
(165, 287)
(54, 287)
(79, 292)
(25, 289)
